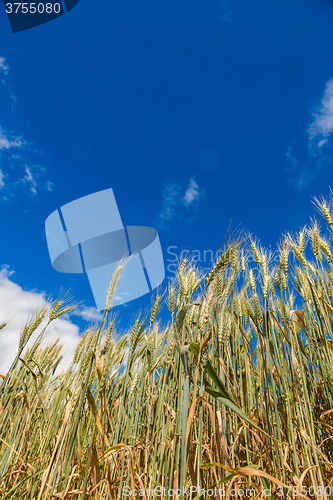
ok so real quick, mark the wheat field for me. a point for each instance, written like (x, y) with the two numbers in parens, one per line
(232, 398)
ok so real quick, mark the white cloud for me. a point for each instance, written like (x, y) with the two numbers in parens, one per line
(88, 314)
(192, 193)
(2, 176)
(4, 68)
(9, 141)
(305, 166)
(322, 143)
(322, 125)
(4, 72)
(171, 197)
(19, 168)
(29, 179)
(18, 175)
(175, 199)
(16, 306)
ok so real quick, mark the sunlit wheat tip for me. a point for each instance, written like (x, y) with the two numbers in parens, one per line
(112, 287)
(315, 242)
(299, 255)
(252, 280)
(256, 253)
(155, 309)
(55, 309)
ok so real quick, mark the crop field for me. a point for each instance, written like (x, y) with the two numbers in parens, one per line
(232, 398)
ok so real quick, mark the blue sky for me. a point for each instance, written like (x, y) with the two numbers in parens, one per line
(194, 112)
